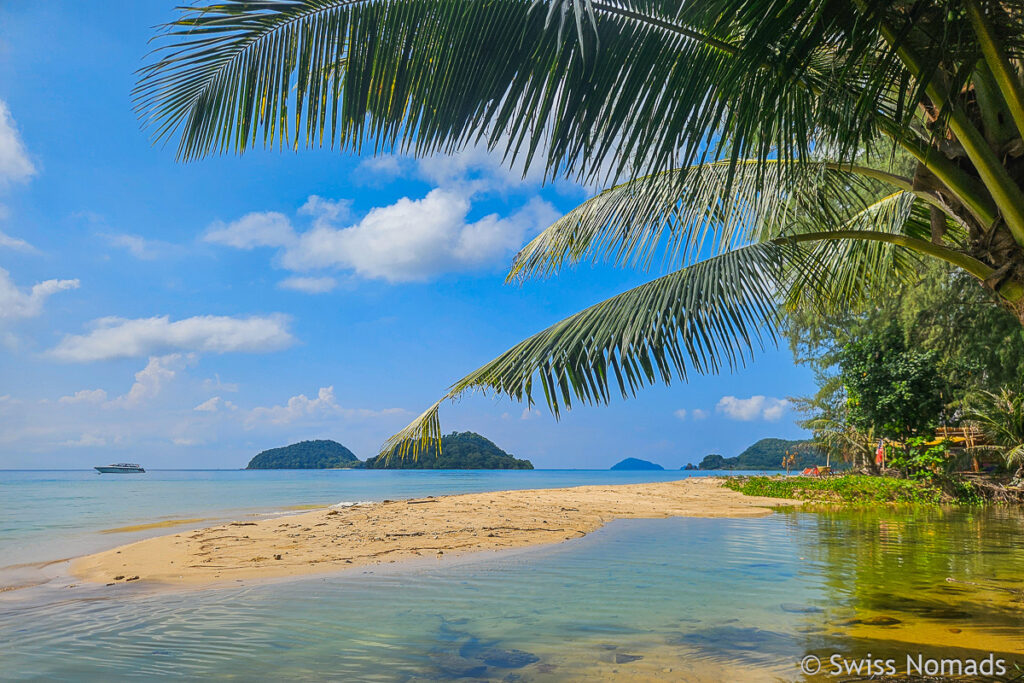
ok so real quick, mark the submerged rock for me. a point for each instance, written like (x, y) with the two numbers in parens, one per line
(873, 621)
(624, 658)
(453, 666)
(507, 659)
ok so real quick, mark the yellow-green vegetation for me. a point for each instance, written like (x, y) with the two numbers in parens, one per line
(857, 489)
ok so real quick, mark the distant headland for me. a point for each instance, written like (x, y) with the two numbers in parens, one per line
(766, 454)
(459, 451)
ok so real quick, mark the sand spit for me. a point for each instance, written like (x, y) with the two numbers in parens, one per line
(357, 535)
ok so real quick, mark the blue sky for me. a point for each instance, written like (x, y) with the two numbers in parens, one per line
(190, 315)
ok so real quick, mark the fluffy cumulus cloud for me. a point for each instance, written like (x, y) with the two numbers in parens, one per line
(19, 303)
(15, 164)
(753, 408)
(151, 380)
(416, 239)
(123, 338)
(695, 414)
(412, 239)
(257, 229)
(301, 407)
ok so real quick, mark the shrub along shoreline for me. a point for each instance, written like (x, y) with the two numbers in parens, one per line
(862, 489)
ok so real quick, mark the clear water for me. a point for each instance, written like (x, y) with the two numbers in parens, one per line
(44, 512)
(675, 599)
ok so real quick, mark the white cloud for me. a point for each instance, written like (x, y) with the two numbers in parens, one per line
(309, 285)
(258, 229)
(698, 414)
(416, 239)
(14, 162)
(326, 209)
(123, 338)
(15, 303)
(529, 413)
(214, 404)
(86, 441)
(412, 239)
(384, 167)
(214, 384)
(302, 407)
(681, 413)
(85, 396)
(8, 242)
(747, 409)
(138, 246)
(151, 380)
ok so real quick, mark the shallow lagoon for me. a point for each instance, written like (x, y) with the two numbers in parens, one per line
(690, 599)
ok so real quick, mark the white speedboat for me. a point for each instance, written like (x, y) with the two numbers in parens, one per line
(120, 468)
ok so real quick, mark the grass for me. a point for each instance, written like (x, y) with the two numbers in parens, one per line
(855, 489)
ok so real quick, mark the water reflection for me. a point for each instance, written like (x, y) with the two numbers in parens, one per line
(678, 599)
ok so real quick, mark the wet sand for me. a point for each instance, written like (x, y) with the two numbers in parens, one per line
(358, 535)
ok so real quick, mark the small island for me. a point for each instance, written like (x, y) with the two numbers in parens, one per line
(636, 464)
(459, 451)
(305, 455)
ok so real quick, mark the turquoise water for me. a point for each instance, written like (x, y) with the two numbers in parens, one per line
(46, 514)
(673, 599)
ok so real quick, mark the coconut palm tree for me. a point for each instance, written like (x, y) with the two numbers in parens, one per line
(750, 148)
(1000, 417)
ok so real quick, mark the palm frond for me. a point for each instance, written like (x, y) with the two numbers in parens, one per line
(702, 319)
(640, 85)
(707, 209)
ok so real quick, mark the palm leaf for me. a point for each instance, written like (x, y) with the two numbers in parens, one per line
(645, 85)
(711, 208)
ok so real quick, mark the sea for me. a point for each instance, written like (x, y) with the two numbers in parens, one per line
(824, 594)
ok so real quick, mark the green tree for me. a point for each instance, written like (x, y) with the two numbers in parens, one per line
(977, 346)
(746, 144)
(892, 390)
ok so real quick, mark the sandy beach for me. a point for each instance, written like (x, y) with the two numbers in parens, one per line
(331, 539)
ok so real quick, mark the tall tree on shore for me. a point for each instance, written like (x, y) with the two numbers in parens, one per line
(747, 146)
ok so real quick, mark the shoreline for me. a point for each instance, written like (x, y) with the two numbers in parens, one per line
(335, 539)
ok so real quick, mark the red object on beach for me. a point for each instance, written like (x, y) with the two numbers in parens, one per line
(880, 454)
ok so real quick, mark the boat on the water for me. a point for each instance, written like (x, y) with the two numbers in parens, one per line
(120, 468)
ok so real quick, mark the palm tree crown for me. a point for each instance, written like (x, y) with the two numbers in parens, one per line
(767, 153)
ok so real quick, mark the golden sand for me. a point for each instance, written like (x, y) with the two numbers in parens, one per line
(332, 539)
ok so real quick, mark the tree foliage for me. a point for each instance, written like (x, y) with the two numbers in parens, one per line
(975, 346)
(891, 389)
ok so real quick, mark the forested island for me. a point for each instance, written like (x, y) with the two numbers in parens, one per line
(459, 451)
(636, 464)
(767, 454)
(305, 455)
